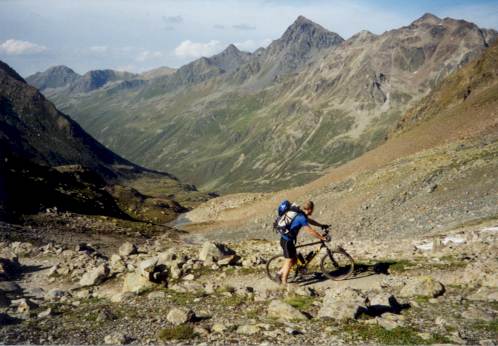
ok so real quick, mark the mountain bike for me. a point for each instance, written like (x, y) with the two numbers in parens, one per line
(335, 264)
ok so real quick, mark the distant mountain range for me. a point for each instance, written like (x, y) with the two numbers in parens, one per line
(275, 118)
(47, 160)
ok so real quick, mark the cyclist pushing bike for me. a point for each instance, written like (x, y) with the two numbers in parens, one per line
(290, 221)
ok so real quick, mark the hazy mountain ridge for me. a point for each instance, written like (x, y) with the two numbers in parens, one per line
(48, 160)
(243, 131)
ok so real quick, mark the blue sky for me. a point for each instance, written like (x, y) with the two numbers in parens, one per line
(140, 35)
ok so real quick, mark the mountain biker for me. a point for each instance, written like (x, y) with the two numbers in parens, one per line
(288, 241)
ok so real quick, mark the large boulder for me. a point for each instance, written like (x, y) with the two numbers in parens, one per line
(136, 283)
(342, 304)
(214, 251)
(423, 286)
(127, 249)
(95, 276)
(283, 311)
(179, 316)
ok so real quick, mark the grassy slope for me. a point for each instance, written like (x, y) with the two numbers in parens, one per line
(227, 137)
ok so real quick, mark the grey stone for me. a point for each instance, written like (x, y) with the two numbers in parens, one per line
(23, 305)
(115, 338)
(136, 283)
(283, 311)
(95, 276)
(424, 286)
(55, 294)
(212, 250)
(156, 295)
(179, 316)
(342, 304)
(166, 257)
(127, 249)
(474, 313)
(123, 296)
(45, 313)
(147, 266)
(248, 329)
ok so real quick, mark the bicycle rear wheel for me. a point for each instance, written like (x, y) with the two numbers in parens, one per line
(274, 265)
(337, 265)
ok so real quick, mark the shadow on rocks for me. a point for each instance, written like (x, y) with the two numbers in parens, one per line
(394, 307)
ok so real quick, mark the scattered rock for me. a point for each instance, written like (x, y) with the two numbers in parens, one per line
(342, 305)
(115, 338)
(390, 321)
(424, 286)
(219, 328)
(283, 311)
(228, 260)
(45, 313)
(23, 305)
(55, 294)
(166, 257)
(95, 276)
(248, 329)
(136, 283)
(214, 251)
(147, 267)
(474, 313)
(123, 296)
(156, 295)
(484, 294)
(127, 249)
(179, 316)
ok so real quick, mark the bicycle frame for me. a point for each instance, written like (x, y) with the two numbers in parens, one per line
(308, 260)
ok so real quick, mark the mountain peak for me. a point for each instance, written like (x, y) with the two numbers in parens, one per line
(231, 49)
(59, 68)
(303, 22)
(428, 18)
(307, 30)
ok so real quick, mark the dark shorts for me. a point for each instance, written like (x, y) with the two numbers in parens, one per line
(289, 248)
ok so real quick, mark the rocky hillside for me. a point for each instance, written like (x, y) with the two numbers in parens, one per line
(283, 115)
(430, 290)
(436, 171)
(47, 160)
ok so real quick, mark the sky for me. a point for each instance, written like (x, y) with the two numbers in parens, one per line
(140, 35)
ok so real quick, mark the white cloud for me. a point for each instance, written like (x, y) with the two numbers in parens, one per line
(148, 55)
(189, 49)
(99, 49)
(18, 47)
(251, 45)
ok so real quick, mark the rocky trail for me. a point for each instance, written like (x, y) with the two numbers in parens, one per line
(441, 288)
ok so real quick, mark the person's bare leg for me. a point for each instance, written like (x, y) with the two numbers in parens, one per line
(286, 269)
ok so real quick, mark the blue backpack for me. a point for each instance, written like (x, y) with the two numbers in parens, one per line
(286, 211)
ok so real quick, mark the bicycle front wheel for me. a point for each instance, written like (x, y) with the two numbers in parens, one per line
(337, 265)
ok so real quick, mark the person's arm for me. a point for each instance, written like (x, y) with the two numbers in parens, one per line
(314, 223)
(318, 224)
(314, 233)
